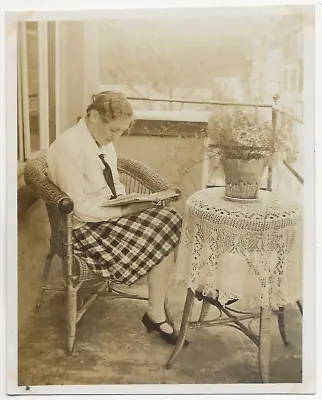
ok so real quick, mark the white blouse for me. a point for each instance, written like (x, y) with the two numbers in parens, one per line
(75, 167)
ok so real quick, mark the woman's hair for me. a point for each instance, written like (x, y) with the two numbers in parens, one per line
(110, 105)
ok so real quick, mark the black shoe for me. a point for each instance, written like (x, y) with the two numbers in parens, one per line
(214, 300)
(151, 326)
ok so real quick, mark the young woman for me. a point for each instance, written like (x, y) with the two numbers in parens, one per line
(120, 243)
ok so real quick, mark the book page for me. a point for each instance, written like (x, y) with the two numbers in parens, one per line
(129, 199)
(141, 198)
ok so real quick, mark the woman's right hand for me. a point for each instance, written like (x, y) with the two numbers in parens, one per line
(137, 207)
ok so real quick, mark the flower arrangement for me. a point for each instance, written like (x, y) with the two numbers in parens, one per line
(242, 136)
(245, 146)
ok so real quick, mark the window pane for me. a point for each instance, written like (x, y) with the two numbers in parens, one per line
(301, 76)
(33, 84)
(51, 81)
(141, 62)
(20, 129)
(18, 138)
(293, 79)
(285, 79)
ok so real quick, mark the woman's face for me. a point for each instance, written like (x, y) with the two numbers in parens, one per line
(106, 132)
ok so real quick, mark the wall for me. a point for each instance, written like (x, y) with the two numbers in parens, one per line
(77, 70)
(70, 72)
(170, 157)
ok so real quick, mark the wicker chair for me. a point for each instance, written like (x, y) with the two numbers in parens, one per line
(77, 277)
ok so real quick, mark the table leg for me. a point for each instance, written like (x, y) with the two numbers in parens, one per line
(299, 304)
(183, 328)
(281, 323)
(264, 343)
(204, 310)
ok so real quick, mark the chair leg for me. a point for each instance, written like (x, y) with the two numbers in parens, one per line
(45, 275)
(281, 324)
(264, 344)
(184, 327)
(64, 273)
(72, 317)
(204, 310)
(300, 306)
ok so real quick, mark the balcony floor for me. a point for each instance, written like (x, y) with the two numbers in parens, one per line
(112, 346)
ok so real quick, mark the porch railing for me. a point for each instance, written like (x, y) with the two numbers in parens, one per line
(276, 110)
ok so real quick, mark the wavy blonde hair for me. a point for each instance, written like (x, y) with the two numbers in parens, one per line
(110, 105)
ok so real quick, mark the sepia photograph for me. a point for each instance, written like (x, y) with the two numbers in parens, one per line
(162, 198)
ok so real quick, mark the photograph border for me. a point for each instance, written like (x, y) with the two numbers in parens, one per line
(308, 385)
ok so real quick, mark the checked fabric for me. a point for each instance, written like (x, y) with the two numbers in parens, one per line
(127, 248)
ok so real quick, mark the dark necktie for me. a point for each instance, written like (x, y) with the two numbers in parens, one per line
(108, 176)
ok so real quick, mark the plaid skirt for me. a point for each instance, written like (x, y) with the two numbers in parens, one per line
(127, 248)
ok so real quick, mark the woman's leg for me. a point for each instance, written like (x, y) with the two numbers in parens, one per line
(158, 282)
(175, 253)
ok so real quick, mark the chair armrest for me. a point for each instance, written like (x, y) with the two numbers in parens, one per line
(145, 175)
(45, 189)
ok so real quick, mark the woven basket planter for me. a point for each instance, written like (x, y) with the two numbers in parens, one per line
(242, 177)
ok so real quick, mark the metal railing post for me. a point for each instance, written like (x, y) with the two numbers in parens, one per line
(274, 120)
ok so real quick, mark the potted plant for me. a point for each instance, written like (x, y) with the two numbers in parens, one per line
(246, 146)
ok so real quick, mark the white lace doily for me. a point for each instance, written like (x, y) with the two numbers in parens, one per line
(252, 251)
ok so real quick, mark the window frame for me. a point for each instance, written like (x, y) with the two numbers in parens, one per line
(25, 151)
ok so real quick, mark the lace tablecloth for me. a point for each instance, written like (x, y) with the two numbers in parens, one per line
(252, 251)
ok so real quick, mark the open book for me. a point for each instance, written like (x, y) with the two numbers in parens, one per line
(141, 198)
